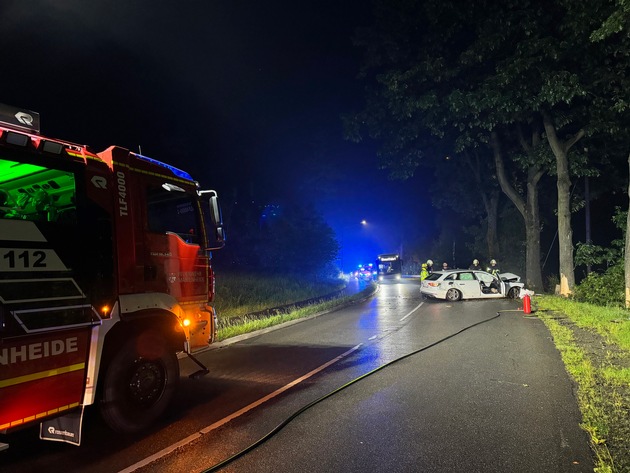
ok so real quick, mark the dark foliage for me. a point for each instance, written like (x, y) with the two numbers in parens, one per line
(605, 289)
(294, 240)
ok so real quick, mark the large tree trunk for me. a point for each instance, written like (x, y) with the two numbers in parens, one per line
(490, 198)
(627, 252)
(492, 212)
(529, 211)
(565, 231)
(533, 269)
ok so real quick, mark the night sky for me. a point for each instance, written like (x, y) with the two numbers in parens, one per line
(246, 96)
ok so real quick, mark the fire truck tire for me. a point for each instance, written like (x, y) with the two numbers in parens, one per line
(139, 383)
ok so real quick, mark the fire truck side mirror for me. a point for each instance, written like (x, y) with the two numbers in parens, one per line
(217, 222)
(215, 211)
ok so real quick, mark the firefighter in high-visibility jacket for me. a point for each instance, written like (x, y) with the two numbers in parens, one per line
(424, 272)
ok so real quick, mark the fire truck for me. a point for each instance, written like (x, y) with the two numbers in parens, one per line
(105, 278)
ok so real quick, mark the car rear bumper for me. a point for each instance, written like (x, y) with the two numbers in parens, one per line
(434, 294)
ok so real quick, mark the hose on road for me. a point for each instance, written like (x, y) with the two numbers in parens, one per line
(284, 423)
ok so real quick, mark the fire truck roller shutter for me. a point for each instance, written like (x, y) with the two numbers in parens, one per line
(139, 381)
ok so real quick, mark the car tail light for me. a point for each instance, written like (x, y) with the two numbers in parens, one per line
(434, 284)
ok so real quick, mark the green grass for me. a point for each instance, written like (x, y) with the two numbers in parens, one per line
(238, 294)
(248, 325)
(610, 322)
(603, 380)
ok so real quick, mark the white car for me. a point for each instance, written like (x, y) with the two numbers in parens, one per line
(456, 284)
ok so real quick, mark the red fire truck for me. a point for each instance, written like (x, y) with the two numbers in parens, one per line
(105, 277)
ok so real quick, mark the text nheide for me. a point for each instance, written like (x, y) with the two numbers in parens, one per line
(35, 351)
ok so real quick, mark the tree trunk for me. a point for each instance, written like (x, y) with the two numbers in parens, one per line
(627, 252)
(529, 211)
(492, 212)
(490, 198)
(533, 269)
(565, 231)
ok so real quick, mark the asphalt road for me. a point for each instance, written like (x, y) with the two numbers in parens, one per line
(493, 398)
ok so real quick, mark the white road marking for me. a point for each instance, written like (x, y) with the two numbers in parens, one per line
(166, 451)
(415, 308)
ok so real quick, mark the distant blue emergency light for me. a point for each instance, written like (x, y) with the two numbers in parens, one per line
(173, 169)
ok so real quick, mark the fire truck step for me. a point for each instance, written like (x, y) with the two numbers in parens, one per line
(202, 372)
(198, 374)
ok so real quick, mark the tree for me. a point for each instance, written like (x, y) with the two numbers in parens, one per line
(614, 31)
(479, 72)
(433, 64)
(299, 241)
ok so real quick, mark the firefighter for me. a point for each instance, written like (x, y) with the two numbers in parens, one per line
(475, 265)
(493, 268)
(8, 207)
(5, 202)
(424, 272)
(429, 264)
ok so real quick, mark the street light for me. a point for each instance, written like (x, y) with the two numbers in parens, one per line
(343, 238)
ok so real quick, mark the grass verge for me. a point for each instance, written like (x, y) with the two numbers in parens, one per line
(247, 324)
(595, 346)
(239, 294)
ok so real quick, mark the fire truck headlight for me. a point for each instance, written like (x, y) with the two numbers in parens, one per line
(186, 322)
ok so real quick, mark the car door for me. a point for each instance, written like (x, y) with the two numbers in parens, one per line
(468, 285)
(487, 280)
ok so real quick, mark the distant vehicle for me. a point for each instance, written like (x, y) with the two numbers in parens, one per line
(456, 284)
(365, 272)
(389, 266)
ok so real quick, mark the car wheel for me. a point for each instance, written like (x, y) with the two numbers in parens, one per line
(514, 292)
(453, 295)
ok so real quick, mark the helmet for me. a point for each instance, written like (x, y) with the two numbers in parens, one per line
(493, 261)
(475, 261)
(424, 265)
(429, 262)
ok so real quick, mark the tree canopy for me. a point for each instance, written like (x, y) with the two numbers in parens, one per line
(520, 83)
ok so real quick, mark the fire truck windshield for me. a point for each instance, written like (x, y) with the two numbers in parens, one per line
(173, 211)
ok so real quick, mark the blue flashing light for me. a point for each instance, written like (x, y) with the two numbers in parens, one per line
(173, 169)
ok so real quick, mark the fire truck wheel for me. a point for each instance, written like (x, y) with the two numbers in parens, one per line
(139, 383)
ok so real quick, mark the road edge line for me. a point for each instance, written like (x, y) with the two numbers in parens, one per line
(171, 448)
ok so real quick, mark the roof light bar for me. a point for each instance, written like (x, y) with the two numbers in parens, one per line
(173, 169)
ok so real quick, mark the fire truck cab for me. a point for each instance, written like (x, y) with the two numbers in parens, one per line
(105, 276)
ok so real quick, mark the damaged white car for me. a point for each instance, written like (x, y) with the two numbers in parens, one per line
(456, 284)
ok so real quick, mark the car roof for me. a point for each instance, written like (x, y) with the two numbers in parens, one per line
(461, 270)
